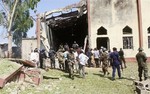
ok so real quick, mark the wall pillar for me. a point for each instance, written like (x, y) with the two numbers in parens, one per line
(89, 23)
(140, 23)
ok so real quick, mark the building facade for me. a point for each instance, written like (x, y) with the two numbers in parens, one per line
(108, 23)
(115, 23)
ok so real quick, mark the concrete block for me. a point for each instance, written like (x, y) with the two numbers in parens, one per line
(141, 90)
(145, 84)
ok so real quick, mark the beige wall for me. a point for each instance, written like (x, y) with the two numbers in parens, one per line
(28, 44)
(114, 15)
(145, 5)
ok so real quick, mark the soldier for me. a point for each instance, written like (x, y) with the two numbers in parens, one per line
(52, 57)
(115, 63)
(42, 58)
(61, 47)
(75, 45)
(142, 65)
(61, 59)
(71, 61)
(66, 46)
(105, 64)
(89, 54)
(122, 59)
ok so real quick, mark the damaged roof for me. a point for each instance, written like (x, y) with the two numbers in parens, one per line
(64, 15)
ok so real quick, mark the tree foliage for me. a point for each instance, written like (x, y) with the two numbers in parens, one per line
(22, 21)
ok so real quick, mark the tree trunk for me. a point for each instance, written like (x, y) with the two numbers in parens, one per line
(9, 45)
(9, 30)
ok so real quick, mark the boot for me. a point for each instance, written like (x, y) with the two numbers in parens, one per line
(140, 79)
(145, 78)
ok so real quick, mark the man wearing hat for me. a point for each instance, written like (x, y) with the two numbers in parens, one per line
(142, 65)
(105, 65)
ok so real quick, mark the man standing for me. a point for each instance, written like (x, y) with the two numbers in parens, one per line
(142, 65)
(82, 62)
(115, 63)
(65, 57)
(75, 45)
(71, 61)
(34, 57)
(89, 54)
(105, 65)
(122, 59)
(43, 58)
(52, 57)
(61, 59)
(96, 57)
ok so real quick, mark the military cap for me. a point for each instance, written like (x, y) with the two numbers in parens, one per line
(140, 49)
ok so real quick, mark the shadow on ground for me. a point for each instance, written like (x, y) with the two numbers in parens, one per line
(110, 78)
(67, 76)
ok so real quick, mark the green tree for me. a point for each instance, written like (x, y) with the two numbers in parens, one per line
(15, 17)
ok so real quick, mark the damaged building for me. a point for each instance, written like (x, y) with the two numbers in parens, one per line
(63, 26)
(95, 23)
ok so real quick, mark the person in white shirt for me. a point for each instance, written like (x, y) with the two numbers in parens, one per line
(76, 65)
(82, 62)
(65, 57)
(34, 57)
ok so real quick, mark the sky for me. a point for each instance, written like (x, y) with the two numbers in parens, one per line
(43, 6)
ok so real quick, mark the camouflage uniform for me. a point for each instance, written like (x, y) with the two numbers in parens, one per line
(52, 57)
(61, 59)
(71, 61)
(122, 59)
(142, 65)
(105, 64)
(43, 58)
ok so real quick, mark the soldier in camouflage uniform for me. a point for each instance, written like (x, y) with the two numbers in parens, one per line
(122, 59)
(105, 65)
(71, 61)
(142, 65)
(61, 59)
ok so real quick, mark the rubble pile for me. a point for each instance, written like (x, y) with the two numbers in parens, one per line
(32, 75)
(19, 70)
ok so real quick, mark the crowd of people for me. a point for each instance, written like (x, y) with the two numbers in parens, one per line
(74, 60)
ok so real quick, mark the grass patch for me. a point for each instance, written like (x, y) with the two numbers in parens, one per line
(94, 83)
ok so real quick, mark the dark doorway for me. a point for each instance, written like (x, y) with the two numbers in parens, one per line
(69, 30)
(103, 42)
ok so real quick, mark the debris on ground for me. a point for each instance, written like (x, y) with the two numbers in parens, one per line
(142, 87)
